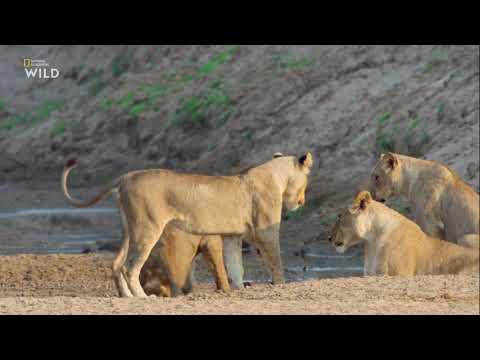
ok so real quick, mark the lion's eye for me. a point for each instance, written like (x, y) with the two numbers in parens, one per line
(376, 178)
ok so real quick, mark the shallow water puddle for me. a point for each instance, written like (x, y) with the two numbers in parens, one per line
(63, 230)
(9, 214)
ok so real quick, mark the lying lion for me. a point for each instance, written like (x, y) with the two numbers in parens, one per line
(394, 245)
(170, 267)
(249, 204)
(170, 264)
(443, 205)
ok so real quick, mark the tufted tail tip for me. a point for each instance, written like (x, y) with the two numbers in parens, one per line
(71, 163)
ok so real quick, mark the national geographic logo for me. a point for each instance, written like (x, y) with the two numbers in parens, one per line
(39, 69)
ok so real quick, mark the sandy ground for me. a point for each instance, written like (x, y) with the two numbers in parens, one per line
(81, 284)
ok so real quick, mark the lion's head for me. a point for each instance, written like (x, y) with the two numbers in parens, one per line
(352, 223)
(294, 195)
(386, 178)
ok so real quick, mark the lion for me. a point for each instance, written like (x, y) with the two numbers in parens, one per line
(443, 205)
(395, 245)
(171, 263)
(169, 268)
(249, 204)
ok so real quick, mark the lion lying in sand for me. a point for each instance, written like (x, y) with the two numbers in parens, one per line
(249, 204)
(170, 264)
(394, 245)
(443, 205)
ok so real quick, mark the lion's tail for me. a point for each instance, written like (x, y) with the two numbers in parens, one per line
(77, 203)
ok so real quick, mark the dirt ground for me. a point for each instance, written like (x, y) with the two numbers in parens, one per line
(216, 110)
(81, 284)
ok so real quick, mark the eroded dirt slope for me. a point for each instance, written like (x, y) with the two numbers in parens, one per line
(216, 109)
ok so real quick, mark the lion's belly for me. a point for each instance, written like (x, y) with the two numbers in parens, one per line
(211, 226)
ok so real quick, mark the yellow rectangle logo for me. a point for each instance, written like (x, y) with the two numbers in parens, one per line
(27, 63)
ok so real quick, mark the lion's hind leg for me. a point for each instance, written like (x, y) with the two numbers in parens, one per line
(213, 253)
(190, 282)
(143, 238)
(118, 277)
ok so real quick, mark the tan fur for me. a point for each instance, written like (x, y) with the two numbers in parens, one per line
(394, 245)
(173, 256)
(443, 205)
(169, 267)
(249, 204)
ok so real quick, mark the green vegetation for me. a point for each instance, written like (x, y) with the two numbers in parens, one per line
(153, 92)
(31, 118)
(412, 125)
(97, 87)
(384, 118)
(193, 110)
(248, 135)
(386, 136)
(328, 219)
(413, 134)
(441, 110)
(424, 137)
(288, 61)
(126, 101)
(211, 147)
(137, 109)
(412, 131)
(107, 104)
(3, 105)
(386, 143)
(437, 57)
(196, 109)
(294, 214)
(217, 60)
(386, 133)
(59, 128)
(120, 65)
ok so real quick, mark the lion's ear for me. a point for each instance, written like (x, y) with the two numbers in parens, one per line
(306, 160)
(362, 200)
(390, 159)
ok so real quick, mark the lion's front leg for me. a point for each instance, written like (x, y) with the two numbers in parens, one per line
(232, 253)
(268, 241)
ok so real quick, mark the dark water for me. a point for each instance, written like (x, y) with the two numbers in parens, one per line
(74, 231)
(57, 230)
